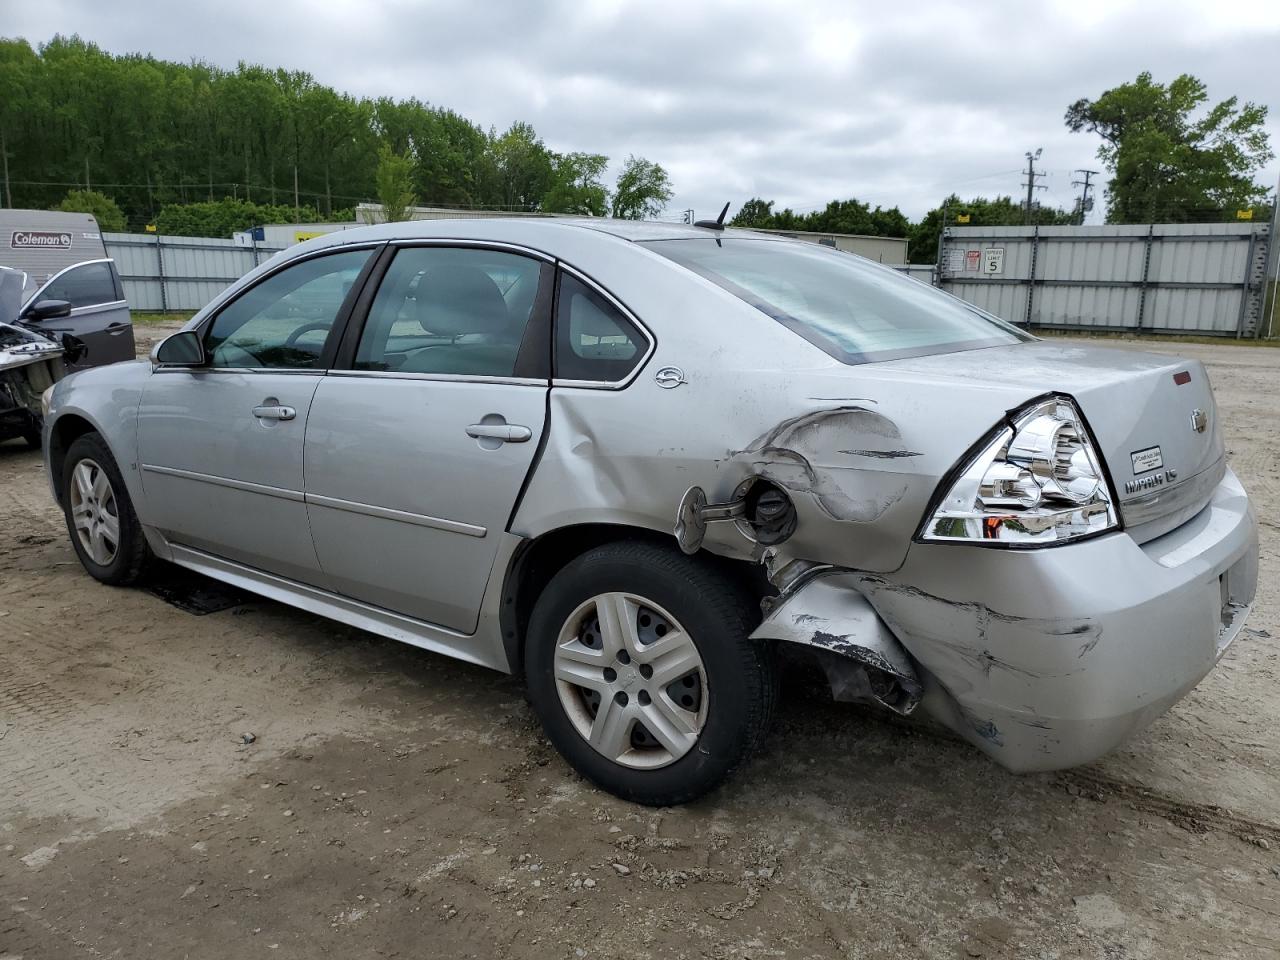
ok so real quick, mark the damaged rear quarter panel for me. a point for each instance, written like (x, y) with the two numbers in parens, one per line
(859, 451)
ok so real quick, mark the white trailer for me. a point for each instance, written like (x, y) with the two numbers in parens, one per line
(40, 243)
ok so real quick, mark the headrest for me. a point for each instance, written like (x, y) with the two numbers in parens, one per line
(458, 300)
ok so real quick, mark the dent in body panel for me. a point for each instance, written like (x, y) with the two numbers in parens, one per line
(798, 454)
(957, 641)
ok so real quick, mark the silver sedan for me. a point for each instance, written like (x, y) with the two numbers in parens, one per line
(641, 464)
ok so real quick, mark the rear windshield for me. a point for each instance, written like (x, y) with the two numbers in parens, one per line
(855, 310)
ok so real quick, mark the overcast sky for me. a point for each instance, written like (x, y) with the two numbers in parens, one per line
(892, 103)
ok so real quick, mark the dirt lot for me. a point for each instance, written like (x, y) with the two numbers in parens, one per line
(398, 804)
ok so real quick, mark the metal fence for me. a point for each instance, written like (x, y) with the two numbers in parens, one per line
(1156, 278)
(1205, 279)
(924, 272)
(179, 273)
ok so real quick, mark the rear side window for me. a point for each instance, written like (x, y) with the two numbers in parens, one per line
(852, 309)
(594, 340)
(86, 285)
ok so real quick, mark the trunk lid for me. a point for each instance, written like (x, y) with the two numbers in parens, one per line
(1153, 417)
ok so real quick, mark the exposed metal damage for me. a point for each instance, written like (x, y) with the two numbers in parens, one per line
(861, 657)
(29, 363)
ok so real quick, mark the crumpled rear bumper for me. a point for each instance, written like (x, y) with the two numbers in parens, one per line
(1047, 659)
(1050, 658)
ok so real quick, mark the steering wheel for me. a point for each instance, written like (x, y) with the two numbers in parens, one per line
(292, 340)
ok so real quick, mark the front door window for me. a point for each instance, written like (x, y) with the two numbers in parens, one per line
(285, 321)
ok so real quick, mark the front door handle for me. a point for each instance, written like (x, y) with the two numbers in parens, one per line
(504, 432)
(274, 412)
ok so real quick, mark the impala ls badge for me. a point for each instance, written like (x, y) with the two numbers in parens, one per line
(1199, 421)
(670, 377)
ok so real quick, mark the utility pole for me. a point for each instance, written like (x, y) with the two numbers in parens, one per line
(1031, 185)
(1085, 203)
(8, 197)
(1268, 280)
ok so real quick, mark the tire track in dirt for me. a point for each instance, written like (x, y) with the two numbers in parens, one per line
(1193, 817)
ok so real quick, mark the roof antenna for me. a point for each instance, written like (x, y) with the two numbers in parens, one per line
(717, 223)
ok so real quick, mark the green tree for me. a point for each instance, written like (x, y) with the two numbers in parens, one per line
(109, 216)
(222, 218)
(521, 166)
(395, 184)
(165, 134)
(1170, 158)
(577, 185)
(922, 237)
(643, 190)
(754, 213)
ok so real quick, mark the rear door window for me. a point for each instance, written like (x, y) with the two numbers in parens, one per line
(594, 340)
(454, 311)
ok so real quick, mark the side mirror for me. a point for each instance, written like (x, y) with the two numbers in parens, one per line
(47, 310)
(183, 349)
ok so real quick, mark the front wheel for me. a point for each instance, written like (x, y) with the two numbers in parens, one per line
(105, 532)
(639, 664)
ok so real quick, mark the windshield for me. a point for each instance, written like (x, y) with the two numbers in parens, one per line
(855, 310)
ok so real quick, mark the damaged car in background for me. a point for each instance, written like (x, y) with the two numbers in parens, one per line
(30, 362)
(638, 462)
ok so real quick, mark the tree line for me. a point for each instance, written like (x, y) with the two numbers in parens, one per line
(198, 150)
(151, 134)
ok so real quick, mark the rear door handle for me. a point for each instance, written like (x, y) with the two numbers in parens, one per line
(274, 412)
(506, 432)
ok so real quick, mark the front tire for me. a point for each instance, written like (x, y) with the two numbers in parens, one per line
(639, 665)
(104, 529)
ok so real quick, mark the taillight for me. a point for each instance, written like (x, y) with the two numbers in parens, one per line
(1038, 481)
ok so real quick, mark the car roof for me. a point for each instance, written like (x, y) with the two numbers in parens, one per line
(526, 230)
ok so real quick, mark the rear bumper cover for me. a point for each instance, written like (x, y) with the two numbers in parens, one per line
(1046, 659)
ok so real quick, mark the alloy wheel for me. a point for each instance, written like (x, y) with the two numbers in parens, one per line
(94, 513)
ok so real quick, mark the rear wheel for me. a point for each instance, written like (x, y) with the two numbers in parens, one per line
(32, 436)
(105, 532)
(640, 667)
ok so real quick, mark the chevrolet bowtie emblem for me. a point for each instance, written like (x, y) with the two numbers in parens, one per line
(1199, 421)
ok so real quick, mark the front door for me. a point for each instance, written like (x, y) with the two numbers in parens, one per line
(416, 453)
(99, 312)
(220, 446)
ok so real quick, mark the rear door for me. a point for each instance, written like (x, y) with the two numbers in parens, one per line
(417, 450)
(99, 312)
(220, 446)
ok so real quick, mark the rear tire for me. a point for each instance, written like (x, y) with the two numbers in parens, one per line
(104, 529)
(687, 696)
(33, 438)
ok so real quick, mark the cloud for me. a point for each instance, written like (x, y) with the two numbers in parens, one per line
(799, 103)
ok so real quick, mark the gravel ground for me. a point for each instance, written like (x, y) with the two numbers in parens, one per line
(399, 804)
